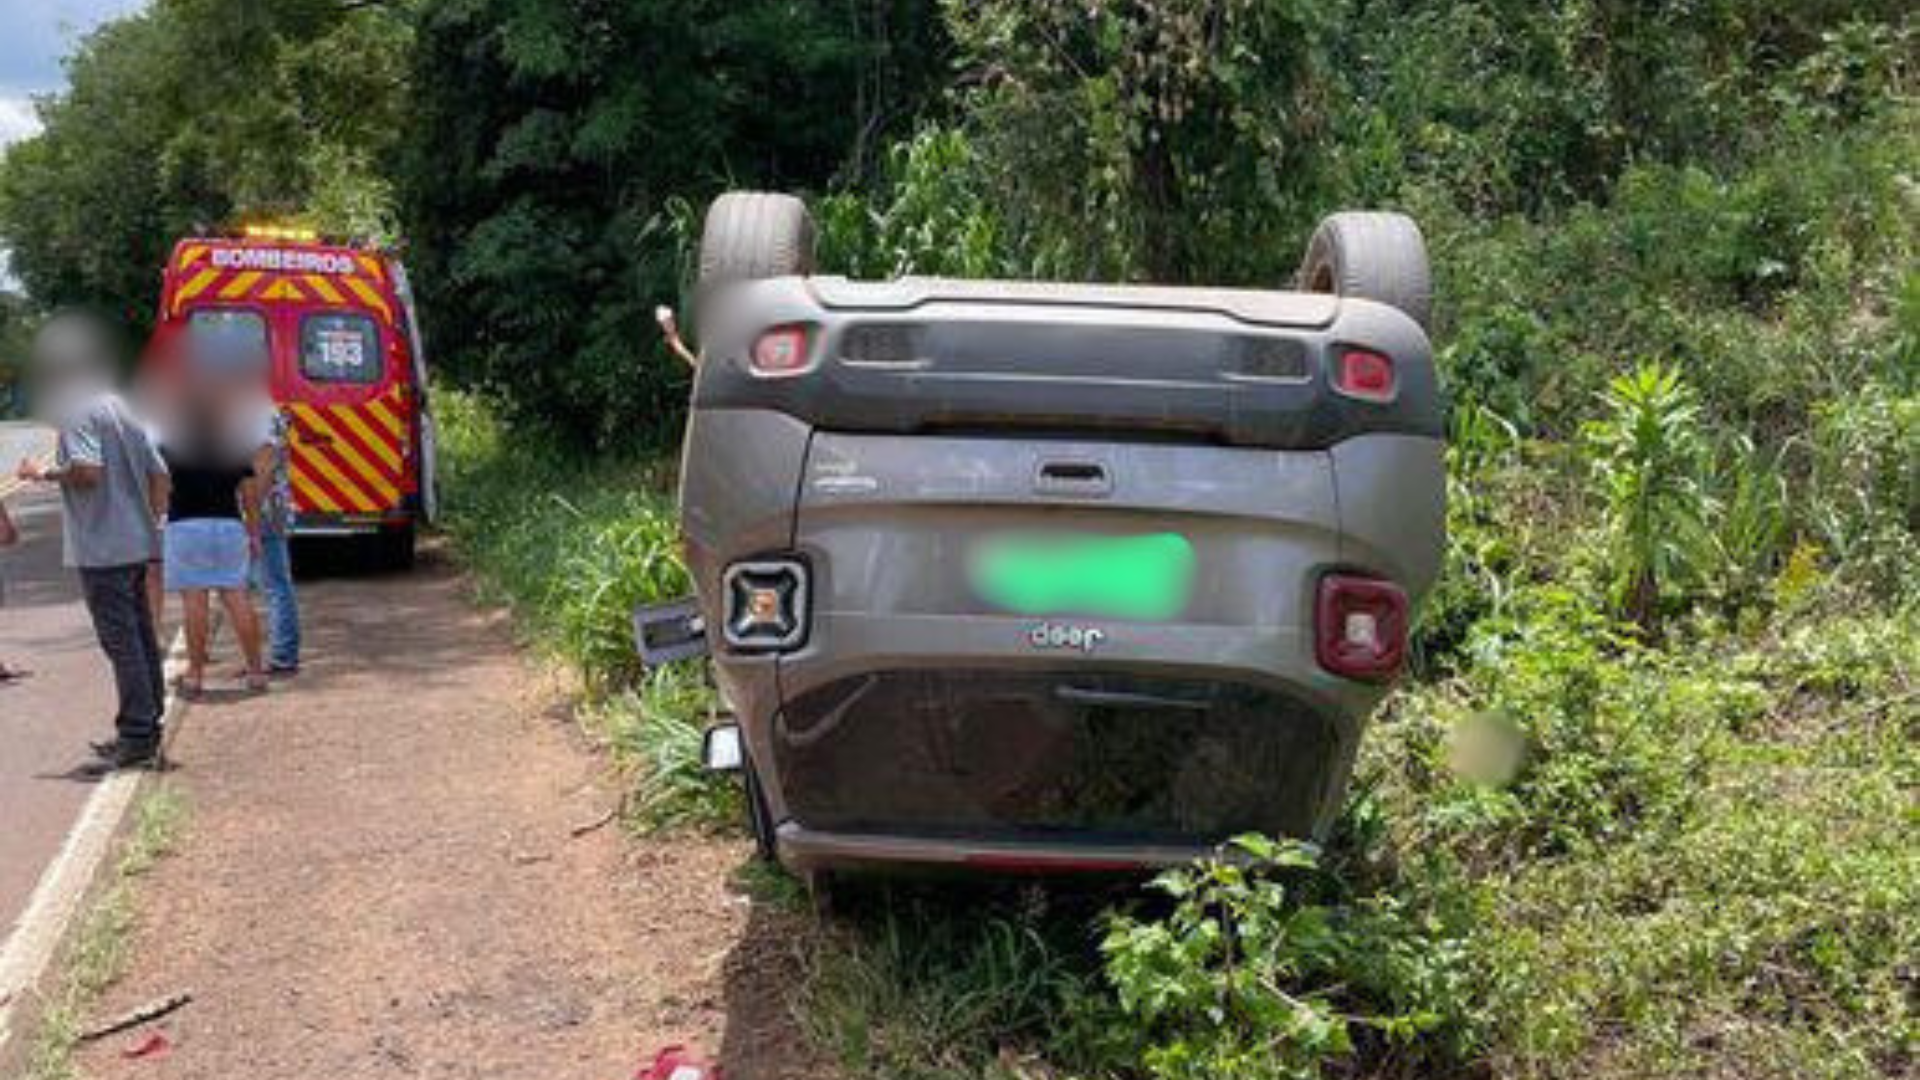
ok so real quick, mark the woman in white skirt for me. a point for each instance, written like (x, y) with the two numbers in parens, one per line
(211, 535)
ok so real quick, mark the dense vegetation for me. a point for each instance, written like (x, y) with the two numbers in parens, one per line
(565, 151)
(195, 115)
(1646, 807)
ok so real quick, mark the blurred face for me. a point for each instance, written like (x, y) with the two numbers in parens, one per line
(206, 387)
(71, 364)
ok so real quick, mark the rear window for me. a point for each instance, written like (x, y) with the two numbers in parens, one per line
(229, 335)
(340, 349)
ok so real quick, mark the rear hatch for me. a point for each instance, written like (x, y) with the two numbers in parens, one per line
(991, 471)
(1035, 635)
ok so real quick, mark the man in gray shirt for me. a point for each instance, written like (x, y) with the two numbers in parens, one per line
(113, 487)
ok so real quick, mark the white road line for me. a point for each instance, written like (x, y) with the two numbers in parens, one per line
(66, 883)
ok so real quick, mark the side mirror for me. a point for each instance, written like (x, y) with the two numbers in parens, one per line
(722, 749)
(670, 330)
(669, 632)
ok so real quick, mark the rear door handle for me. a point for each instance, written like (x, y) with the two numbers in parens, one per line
(1124, 699)
(1074, 477)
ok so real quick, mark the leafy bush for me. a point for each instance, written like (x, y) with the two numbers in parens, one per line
(935, 214)
(1248, 979)
(1648, 454)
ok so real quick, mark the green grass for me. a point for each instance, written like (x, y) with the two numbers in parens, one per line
(926, 983)
(99, 953)
(1707, 857)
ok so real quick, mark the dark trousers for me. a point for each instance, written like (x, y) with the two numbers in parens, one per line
(117, 600)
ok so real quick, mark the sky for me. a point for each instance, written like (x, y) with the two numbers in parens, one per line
(34, 35)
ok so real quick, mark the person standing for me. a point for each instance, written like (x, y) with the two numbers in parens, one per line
(273, 569)
(211, 535)
(9, 536)
(113, 485)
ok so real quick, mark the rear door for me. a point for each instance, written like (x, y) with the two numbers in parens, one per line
(1014, 637)
(343, 379)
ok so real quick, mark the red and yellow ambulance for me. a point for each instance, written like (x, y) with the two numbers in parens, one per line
(347, 369)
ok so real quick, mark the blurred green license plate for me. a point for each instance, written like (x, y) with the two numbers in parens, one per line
(1125, 577)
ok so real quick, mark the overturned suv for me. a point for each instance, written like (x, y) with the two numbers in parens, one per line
(1049, 577)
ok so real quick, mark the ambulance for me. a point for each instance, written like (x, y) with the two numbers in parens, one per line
(347, 370)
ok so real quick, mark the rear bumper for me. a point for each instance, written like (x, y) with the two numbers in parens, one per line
(342, 525)
(803, 850)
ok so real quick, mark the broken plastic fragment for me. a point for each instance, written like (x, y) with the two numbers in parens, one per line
(678, 1063)
(154, 1044)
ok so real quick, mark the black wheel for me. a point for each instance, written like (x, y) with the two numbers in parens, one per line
(394, 548)
(1371, 255)
(759, 817)
(751, 235)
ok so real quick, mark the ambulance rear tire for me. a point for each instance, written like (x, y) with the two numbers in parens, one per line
(394, 548)
(751, 235)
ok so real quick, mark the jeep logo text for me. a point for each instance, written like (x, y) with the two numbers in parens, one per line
(1062, 636)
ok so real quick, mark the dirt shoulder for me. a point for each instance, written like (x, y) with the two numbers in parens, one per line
(379, 878)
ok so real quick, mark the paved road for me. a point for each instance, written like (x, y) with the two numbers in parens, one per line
(45, 720)
(19, 439)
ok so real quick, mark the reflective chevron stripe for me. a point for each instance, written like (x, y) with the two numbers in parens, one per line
(348, 458)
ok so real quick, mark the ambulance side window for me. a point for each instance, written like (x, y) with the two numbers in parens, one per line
(340, 348)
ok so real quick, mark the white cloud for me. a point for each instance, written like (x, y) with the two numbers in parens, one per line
(17, 120)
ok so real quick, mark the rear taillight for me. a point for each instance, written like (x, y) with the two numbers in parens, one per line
(1364, 374)
(781, 351)
(1360, 627)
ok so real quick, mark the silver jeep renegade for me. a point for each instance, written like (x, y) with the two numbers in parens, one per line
(1049, 577)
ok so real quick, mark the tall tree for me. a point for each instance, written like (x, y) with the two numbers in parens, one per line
(560, 150)
(194, 115)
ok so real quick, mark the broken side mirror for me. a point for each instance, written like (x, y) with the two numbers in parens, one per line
(722, 750)
(665, 633)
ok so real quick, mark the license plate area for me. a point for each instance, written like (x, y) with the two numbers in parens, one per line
(1146, 577)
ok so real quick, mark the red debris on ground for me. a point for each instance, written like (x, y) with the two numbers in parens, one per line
(154, 1044)
(678, 1063)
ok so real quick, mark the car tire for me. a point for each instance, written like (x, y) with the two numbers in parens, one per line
(394, 549)
(1371, 255)
(750, 235)
(760, 817)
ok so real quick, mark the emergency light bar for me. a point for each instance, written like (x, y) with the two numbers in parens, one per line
(295, 233)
